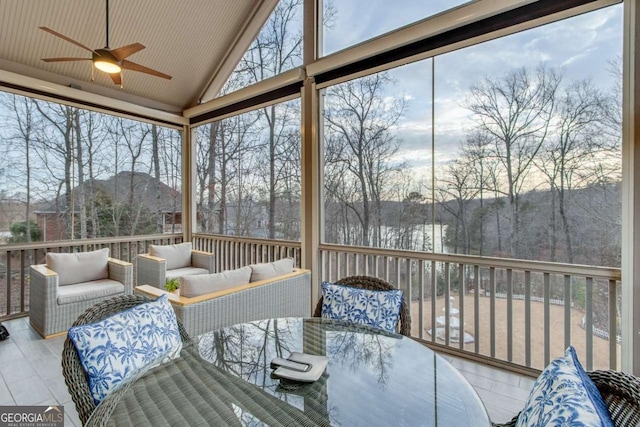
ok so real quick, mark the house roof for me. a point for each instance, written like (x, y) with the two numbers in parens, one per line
(197, 42)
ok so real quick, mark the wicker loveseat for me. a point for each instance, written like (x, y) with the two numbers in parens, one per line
(286, 295)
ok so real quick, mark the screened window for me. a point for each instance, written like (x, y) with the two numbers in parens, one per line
(516, 153)
(347, 23)
(69, 173)
(248, 174)
(278, 48)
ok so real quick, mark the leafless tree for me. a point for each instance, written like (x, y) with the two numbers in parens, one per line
(515, 110)
(575, 138)
(361, 121)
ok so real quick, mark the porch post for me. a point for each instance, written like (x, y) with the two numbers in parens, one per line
(631, 190)
(188, 189)
(311, 197)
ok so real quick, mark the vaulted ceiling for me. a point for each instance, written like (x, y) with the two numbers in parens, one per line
(197, 42)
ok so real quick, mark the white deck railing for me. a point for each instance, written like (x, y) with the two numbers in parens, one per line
(523, 312)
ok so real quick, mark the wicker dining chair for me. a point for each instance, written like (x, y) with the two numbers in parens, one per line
(373, 284)
(621, 394)
(74, 375)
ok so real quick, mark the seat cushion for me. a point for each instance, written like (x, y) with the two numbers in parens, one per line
(88, 291)
(126, 344)
(186, 271)
(175, 256)
(268, 270)
(564, 395)
(193, 286)
(380, 309)
(79, 267)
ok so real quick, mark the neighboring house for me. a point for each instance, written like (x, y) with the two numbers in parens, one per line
(11, 211)
(51, 215)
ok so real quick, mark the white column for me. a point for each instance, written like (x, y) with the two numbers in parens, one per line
(631, 191)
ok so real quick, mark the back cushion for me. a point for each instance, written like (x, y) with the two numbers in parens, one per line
(79, 267)
(126, 344)
(200, 284)
(268, 270)
(176, 256)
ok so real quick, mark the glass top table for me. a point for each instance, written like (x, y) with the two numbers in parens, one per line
(373, 378)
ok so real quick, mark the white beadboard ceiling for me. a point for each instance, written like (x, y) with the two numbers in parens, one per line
(187, 39)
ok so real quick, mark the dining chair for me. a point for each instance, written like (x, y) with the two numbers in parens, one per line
(72, 370)
(621, 394)
(373, 284)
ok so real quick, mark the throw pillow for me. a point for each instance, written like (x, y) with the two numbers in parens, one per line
(380, 309)
(125, 344)
(272, 269)
(200, 284)
(175, 256)
(563, 395)
(79, 267)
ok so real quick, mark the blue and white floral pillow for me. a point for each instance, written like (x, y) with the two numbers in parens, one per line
(380, 309)
(123, 345)
(564, 395)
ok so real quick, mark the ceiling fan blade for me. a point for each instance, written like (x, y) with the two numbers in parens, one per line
(126, 51)
(65, 59)
(117, 78)
(63, 37)
(128, 65)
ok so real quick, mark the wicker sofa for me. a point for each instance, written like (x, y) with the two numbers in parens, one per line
(286, 295)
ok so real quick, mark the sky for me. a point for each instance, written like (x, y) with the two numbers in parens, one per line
(581, 47)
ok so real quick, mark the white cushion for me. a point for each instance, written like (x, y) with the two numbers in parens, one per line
(187, 271)
(268, 270)
(89, 290)
(79, 267)
(176, 256)
(126, 344)
(200, 284)
(564, 395)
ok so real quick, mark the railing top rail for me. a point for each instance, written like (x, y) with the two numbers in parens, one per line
(80, 242)
(609, 273)
(257, 240)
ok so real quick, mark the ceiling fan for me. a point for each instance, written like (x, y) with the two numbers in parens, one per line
(110, 61)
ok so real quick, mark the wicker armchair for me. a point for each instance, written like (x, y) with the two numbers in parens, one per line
(374, 284)
(159, 265)
(621, 394)
(74, 375)
(55, 304)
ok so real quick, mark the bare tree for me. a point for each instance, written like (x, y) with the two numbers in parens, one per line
(515, 110)
(361, 121)
(22, 125)
(575, 138)
(456, 189)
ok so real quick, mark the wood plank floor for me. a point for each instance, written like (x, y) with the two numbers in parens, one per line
(30, 368)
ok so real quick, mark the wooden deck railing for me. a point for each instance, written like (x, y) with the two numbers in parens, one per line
(16, 259)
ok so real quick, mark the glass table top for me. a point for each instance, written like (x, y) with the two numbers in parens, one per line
(373, 378)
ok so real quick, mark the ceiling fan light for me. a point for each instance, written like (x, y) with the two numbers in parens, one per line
(104, 64)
